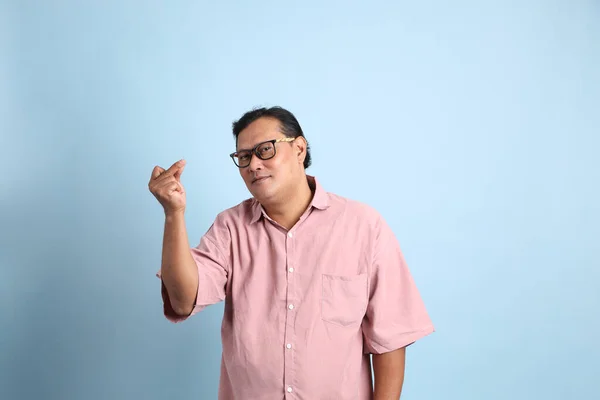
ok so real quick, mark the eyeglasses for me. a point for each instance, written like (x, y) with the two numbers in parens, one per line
(263, 150)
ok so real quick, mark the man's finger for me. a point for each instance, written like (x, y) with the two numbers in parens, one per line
(157, 171)
(178, 173)
(175, 167)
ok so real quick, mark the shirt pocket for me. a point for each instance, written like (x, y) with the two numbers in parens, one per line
(344, 299)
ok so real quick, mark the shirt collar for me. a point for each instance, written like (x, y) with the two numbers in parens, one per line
(320, 199)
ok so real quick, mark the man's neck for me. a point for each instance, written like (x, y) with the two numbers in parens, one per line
(288, 212)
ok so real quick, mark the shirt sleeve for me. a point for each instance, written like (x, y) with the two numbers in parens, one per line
(396, 315)
(212, 259)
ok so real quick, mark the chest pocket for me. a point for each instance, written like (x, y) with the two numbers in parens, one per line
(344, 299)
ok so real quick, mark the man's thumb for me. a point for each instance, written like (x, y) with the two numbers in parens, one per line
(179, 171)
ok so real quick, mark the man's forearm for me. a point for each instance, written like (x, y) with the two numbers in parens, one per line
(389, 374)
(178, 269)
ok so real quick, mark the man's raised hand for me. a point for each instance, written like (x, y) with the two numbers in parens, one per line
(166, 186)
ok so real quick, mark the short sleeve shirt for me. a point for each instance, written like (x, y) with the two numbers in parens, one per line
(305, 307)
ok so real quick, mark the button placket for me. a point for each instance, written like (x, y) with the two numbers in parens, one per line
(289, 334)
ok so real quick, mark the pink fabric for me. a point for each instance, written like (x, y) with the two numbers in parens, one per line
(304, 308)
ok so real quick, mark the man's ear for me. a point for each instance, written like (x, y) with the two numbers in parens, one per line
(300, 148)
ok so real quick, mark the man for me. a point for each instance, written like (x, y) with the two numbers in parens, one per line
(313, 282)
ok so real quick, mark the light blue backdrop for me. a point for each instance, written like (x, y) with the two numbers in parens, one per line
(472, 126)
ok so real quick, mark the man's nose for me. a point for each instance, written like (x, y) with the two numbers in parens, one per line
(255, 163)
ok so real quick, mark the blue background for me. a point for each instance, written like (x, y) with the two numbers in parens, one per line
(472, 126)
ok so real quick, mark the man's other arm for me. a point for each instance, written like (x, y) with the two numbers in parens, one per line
(389, 374)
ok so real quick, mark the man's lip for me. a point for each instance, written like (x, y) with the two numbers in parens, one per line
(259, 178)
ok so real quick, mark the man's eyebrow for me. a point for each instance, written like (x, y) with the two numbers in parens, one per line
(250, 148)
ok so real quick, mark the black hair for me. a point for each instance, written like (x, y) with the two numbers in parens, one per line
(288, 123)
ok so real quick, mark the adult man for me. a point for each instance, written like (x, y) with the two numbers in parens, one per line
(313, 282)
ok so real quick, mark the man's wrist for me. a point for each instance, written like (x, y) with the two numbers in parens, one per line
(174, 215)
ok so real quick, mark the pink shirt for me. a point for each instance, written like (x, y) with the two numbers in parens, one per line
(305, 307)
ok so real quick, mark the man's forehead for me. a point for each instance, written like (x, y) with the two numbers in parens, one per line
(258, 132)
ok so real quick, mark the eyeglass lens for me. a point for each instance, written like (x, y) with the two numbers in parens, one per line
(264, 152)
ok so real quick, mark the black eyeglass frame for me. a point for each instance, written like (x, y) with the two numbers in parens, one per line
(254, 150)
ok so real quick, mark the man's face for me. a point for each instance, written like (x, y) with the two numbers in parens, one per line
(268, 179)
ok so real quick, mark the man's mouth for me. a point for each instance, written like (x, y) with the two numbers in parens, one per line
(259, 179)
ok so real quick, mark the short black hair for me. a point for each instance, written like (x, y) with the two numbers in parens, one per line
(288, 123)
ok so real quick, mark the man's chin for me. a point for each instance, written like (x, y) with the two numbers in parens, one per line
(262, 195)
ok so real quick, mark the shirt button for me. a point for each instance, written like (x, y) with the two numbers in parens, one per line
(290, 234)
(289, 389)
(291, 306)
(291, 269)
(289, 346)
